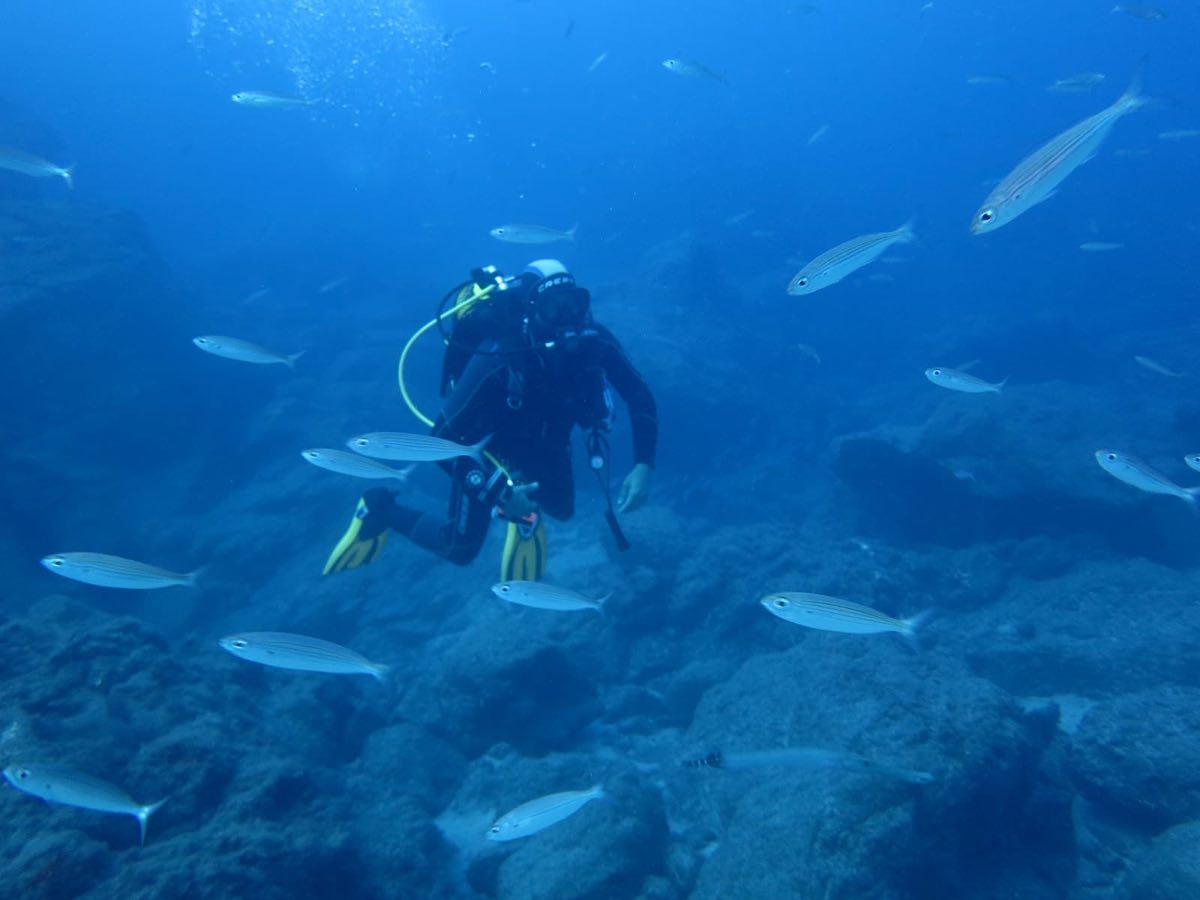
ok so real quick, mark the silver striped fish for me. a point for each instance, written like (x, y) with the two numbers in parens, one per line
(958, 380)
(346, 463)
(58, 784)
(300, 653)
(1136, 473)
(805, 758)
(103, 570)
(27, 164)
(1193, 461)
(1039, 174)
(835, 614)
(401, 447)
(536, 815)
(850, 256)
(244, 351)
(540, 595)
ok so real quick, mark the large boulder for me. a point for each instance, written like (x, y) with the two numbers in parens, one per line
(907, 768)
(1135, 756)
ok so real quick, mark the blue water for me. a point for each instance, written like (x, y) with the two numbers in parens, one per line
(336, 228)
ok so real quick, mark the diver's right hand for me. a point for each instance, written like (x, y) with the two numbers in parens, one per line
(517, 503)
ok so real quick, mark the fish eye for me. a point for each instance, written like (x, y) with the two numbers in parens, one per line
(936, 371)
(987, 215)
(803, 282)
(495, 829)
(1111, 457)
(23, 774)
(779, 603)
(504, 588)
(360, 442)
(57, 562)
(238, 644)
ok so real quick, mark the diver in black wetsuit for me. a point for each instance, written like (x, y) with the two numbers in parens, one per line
(525, 367)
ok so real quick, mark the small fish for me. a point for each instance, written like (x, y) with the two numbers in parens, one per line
(103, 570)
(1155, 366)
(333, 284)
(1037, 177)
(1100, 246)
(300, 654)
(809, 353)
(850, 256)
(268, 100)
(1138, 11)
(1193, 461)
(345, 463)
(881, 278)
(1131, 152)
(532, 234)
(1179, 134)
(244, 351)
(1136, 473)
(1080, 83)
(958, 380)
(254, 296)
(57, 784)
(536, 815)
(690, 69)
(818, 134)
(451, 35)
(546, 596)
(834, 614)
(27, 164)
(597, 61)
(403, 447)
(805, 758)
(988, 79)
(739, 218)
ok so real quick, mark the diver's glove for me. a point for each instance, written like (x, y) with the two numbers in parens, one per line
(635, 488)
(364, 539)
(517, 505)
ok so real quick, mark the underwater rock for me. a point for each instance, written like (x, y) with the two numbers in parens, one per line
(1135, 756)
(852, 830)
(1169, 869)
(984, 462)
(609, 848)
(1109, 627)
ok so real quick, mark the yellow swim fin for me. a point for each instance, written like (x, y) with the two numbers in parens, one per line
(361, 544)
(524, 556)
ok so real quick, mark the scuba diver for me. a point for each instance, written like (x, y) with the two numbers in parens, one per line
(525, 363)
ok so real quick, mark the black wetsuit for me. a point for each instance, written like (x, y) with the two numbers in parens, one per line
(529, 400)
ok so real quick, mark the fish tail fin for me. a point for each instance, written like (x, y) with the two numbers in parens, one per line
(379, 671)
(912, 627)
(1133, 98)
(905, 232)
(143, 816)
(476, 450)
(68, 175)
(402, 474)
(291, 358)
(603, 601)
(192, 578)
(1001, 383)
(572, 231)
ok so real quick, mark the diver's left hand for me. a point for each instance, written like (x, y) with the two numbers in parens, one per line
(635, 488)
